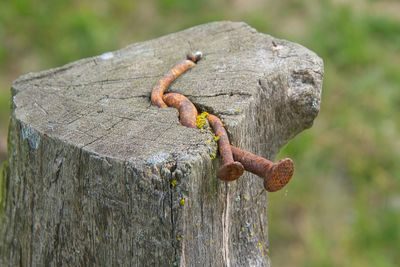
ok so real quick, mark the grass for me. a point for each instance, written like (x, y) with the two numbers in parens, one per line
(346, 189)
(342, 208)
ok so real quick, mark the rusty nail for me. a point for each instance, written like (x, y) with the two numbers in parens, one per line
(230, 169)
(187, 111)
(275, 175)
(196, 56)
(172, 75)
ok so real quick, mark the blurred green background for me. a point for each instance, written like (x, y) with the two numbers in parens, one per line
(343, 206)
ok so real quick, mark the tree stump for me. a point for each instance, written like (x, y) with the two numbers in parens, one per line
(96, 175)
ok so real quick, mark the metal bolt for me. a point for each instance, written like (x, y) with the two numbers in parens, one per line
(275, 175)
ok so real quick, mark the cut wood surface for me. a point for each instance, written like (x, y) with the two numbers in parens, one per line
(96, 175)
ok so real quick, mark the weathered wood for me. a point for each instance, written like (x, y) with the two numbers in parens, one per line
(92, 164)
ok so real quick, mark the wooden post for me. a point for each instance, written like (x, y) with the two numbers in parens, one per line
(96, 175)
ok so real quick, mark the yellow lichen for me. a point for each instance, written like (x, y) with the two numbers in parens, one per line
(216, 138)
(174, 183)
(261, 248)
(182, 201)
(201, 120)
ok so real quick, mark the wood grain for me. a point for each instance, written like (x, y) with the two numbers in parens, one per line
(98, 176)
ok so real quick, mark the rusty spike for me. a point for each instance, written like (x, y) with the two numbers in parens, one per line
(162, 85)
(275, 175)
(230, 169)
(187, 111)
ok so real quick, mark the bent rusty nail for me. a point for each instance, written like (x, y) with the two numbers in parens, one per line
(187, 111)
(275, 175)
(172, 75)
(230, 169)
